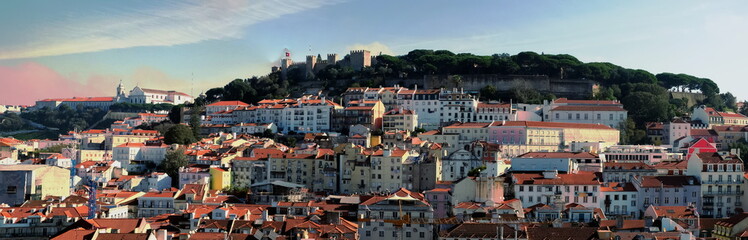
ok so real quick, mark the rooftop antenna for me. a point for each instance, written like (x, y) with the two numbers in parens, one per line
(192, 88)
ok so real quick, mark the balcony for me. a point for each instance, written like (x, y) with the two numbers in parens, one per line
(722, 193)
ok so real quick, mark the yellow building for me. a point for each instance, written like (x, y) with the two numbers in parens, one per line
(94, 155)
(32, 182)
(116, 140)
(219, 178)
(313, 170)
(374, 170)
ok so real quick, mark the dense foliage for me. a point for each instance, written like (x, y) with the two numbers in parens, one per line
(250, 90)
(179, 134)
(140, 107)
(12, 122)
(65, 118)
(174, 160)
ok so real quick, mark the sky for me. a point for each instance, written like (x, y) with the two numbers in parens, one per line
(52, 49)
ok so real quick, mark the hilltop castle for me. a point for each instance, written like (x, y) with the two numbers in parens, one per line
(356, 59)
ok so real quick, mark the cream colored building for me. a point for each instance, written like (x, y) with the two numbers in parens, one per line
(19, 183)
(399, 119)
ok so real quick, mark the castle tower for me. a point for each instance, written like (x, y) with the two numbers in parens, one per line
(360, 59)
(285, 63)
(311, 61)
(332, 58)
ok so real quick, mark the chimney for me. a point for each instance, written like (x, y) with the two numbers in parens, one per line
(161, 234)
(619, 222)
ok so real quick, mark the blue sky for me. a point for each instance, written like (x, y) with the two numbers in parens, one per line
(90, 45)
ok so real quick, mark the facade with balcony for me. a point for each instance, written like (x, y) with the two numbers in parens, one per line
(721, 176)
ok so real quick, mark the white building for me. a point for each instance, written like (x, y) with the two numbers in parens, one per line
(721, 176)
(534, 188)
(302, 115)
(487, 112)
(378, 214)
(619, 199)
(567, 162)
(674, 130)
(153, 96)
(609, 113)
(137, 157)
(253, 128)
(638, 153)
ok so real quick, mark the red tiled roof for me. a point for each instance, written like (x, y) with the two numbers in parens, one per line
(713, 157)
(674, 212)
(80, 99)
(587, 102)
(228, 103)
(398, 111)
(472, 125)
(667, 181)
(580, 178)
(626, 165)
(732, 115)
(737, 218)
(494, 105)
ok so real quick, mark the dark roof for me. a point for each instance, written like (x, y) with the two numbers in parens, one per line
(480, 230)
(567, 233)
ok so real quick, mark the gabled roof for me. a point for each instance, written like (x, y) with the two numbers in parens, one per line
(401, 194)
(674, 212)
(676, 181)
(580, 178)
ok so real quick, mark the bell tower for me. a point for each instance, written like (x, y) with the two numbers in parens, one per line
(121, 96)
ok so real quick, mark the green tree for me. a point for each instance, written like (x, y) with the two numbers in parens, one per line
(176, 114)
(173, 160)
(195, 121)
(179, 134)
(475, 172)
(730, 101)
(742, 146)
(631, 134)
(489, 93)
(744, 109)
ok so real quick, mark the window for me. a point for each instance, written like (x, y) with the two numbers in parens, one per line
(11, 190)
(381, 233)
(407, 234)
(422, 234)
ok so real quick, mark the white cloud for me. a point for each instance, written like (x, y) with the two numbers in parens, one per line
(374, 47)
(180, 23)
